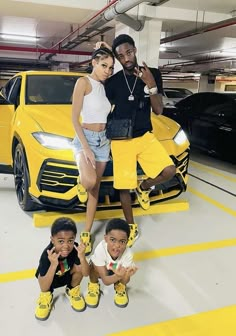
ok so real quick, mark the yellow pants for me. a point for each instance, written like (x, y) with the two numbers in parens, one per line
(147, 150)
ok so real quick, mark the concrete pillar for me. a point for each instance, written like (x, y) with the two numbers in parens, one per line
(205, 85)
(147, 41)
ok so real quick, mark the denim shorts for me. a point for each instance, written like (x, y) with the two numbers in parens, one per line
(98, 143)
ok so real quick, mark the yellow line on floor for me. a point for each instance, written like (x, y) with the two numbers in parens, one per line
(212, 201)
(165, 252)
(212, 323)
(20, 275)
(212, 171)
(139, 256)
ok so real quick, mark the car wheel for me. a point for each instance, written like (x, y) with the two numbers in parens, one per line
(21, 176)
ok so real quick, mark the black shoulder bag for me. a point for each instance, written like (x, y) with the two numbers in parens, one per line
(119, 129)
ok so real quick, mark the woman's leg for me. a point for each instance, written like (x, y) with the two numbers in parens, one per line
(93, 196)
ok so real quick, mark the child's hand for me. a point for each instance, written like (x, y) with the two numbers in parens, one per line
(131, 270)
(80, 249)
(120, 271)
(53, 256)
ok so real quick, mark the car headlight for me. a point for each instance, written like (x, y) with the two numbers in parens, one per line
(180, 137)
(53, 141)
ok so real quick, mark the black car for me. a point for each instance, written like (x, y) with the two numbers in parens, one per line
(209, 119)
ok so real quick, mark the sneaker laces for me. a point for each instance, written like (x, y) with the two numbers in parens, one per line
(120, 289)
(75, 293)
(93, 289)
(44, 300)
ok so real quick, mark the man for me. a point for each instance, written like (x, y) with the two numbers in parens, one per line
(135, 91)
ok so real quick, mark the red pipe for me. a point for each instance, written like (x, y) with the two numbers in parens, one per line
(93, 17)
(211, 27)
(46, 51)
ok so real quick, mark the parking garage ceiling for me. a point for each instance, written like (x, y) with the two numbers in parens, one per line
(196, 35)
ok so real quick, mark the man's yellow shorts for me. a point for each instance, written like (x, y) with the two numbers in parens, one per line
(147, 150)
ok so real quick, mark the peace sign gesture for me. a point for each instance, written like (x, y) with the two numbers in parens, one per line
(146, 75)
(53, 256)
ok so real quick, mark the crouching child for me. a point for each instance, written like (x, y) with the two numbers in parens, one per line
(62, 263)
(112, 262)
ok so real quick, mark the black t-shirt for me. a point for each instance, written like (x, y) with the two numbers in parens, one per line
(117, 92)
(65, 264)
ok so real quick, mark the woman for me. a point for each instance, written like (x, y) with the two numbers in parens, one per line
(91, 147)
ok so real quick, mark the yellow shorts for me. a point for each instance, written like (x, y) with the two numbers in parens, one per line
(147, 150)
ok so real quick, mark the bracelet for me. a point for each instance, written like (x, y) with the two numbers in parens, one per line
(152, 91)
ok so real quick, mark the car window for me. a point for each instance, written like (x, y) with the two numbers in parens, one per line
(50, 89)
(14, 95)
(6, 90)
(174, 94)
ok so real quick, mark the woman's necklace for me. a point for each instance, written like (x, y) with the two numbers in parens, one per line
(131, 96)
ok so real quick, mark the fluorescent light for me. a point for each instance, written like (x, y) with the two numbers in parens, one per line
(19, 37)
(162, 48)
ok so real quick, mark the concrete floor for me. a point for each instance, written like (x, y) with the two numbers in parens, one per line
(185, 285)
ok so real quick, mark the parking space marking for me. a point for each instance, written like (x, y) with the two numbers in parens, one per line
(139, 256)
(212, 171)
(216, 322)
(212, 201)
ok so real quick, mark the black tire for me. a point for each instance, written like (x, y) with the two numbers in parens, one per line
(21, 177)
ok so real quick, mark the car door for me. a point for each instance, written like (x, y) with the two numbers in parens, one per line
(9, 101)
(226, 132)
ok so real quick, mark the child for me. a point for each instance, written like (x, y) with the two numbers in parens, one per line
(112, 261)
(62, 263)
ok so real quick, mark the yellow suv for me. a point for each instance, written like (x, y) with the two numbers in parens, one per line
(35, 144)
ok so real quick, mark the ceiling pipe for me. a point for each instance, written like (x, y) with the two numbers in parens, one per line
(208, 28)
(46, 51)
(113, 10)
(84, 24)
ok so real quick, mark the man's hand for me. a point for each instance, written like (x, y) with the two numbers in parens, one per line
(53, 256)
(146, 75)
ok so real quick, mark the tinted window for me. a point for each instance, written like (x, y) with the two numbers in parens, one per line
(174, 94)
(49, 89)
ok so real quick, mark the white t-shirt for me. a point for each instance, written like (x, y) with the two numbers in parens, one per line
(101, 257)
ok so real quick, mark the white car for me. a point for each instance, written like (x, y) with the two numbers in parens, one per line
(172, 96)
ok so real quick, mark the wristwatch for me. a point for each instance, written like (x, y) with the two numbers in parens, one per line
(152, 91)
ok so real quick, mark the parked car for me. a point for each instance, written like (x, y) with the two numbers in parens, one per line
(172, 96)
(184, 91)
(35, 145)
(209, 119)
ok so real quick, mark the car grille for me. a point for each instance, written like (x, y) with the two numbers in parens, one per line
(57, 176)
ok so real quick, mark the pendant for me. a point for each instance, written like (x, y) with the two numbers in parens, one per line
(131, 97)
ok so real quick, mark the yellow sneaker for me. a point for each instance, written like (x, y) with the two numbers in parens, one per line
(143, 197)
(86, 239)
(76, 300)
(44, 306)
(81, 192)
(121, 298)
(93, 295)
(134, 234)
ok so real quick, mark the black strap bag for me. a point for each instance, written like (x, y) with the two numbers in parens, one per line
(118, 129)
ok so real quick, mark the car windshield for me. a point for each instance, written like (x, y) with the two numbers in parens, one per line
(174, 94)
(50, 89)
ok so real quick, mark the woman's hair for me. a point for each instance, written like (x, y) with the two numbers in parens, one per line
(118, 224)
(63, 224)
(102, 53)
(121, 39)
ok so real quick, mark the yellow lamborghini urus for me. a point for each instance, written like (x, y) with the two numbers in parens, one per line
(35, 145)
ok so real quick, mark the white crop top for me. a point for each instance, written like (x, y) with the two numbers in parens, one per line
(96, 106)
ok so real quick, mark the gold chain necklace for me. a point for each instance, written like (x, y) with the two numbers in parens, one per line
(131, 96)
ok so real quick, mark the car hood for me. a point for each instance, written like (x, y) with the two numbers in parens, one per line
(52, 119)
(164, 128)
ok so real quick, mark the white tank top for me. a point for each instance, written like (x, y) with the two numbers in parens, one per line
(96, 106)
